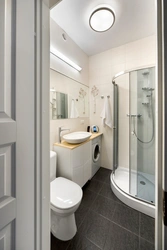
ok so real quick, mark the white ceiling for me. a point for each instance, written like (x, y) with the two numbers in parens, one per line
(135, 19)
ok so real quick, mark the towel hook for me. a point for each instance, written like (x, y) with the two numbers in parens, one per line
(102, 96)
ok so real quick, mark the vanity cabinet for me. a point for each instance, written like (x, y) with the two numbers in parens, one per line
(74, 163)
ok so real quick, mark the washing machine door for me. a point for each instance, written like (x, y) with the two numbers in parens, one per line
(96, 152)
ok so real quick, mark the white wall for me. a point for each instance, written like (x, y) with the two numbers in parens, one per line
(73, 52)
(102, 68)
(52, 3)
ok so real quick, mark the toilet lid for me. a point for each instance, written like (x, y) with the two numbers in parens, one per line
(64, 193)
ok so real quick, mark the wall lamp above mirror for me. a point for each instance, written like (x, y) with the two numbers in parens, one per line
(65, 59)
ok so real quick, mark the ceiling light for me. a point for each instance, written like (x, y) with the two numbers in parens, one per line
(65, 59)
(102, 19)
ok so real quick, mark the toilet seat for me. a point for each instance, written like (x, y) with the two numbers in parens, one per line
(64, 194)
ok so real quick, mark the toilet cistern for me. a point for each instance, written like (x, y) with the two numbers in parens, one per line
(60, 130)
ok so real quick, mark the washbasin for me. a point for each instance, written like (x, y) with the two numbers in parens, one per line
(77, 137)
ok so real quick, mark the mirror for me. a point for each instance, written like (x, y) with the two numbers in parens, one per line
(68, 98)
(59, 105)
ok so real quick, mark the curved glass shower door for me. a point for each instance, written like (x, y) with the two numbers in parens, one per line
(134, 133)
(142, 134)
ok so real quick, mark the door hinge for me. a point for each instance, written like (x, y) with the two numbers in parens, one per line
(165, 208)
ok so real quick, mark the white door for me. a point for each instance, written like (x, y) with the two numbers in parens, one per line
(7, 127)
(24, 147)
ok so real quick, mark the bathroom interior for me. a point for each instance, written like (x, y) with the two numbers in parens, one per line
(117, 71)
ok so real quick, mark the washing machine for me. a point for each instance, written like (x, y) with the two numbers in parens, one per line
(96, 154)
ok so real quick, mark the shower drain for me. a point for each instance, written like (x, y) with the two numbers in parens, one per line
(142, 183)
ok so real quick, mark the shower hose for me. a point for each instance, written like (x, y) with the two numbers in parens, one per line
(134, 130)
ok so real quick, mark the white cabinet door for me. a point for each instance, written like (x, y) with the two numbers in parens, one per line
(87, 161)
(7, 125)
(77, 165)
(78, 156)
(78, 175)
(74, 164)
(81, 163)
(87, 171)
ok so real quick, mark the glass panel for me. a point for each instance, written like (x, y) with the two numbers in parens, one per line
(121, 138)
(142, 136)
(133, 122)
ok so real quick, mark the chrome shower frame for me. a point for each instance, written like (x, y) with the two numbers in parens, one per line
(115, 108)
(129, 199)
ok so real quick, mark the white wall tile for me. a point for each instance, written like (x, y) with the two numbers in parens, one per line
(71, 50)
(102, 68)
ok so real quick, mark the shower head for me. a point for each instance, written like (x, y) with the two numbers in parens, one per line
(145, 73)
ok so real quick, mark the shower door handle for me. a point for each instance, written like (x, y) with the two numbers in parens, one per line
(138, 115)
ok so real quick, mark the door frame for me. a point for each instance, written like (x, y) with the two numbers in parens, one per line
(32, 116)
(161, 124)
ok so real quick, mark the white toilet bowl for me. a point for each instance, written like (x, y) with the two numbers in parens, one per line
(65, 198)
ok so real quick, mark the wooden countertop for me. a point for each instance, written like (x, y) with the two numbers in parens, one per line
(72, 146)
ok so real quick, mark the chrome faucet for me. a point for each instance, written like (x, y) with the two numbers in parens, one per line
(60, 130)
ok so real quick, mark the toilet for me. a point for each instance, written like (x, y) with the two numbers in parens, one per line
(65, 198)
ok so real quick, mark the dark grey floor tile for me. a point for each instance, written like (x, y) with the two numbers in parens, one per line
(108, 193)
(120, 239)
(80, 214)
(147, 227)
(95, 228)
(127, 218)
(105, 223)
(88, 197)
(102, 175)
(80, 242)
(94, 185)
(145, 245)
(58, 244)
(104, 206)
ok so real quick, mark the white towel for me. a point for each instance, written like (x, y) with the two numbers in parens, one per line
(106, 114)
(74, 111)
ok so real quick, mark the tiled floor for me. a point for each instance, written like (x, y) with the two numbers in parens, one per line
(106, 223)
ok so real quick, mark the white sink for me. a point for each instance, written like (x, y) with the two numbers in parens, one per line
(77, 137)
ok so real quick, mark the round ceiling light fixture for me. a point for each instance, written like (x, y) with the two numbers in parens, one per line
(102, 19)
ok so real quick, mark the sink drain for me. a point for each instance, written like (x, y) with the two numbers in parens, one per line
(142, 183)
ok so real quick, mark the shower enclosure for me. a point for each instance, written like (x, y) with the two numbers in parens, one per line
(133, 177)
